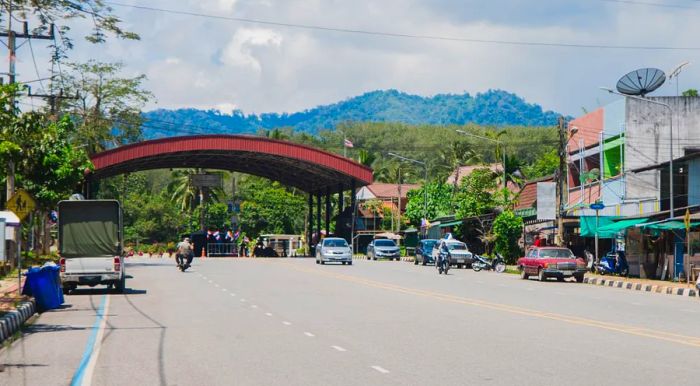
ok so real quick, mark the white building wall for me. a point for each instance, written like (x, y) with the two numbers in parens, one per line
(647, 139)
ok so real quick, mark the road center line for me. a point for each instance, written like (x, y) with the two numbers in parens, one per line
(254, 306)
(338, 348)
(310, 335)
(286, 323)
(381, 369)
(232, 294)
(268, 314)
(83, 375)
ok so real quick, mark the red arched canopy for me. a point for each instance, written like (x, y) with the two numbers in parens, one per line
(309, 169)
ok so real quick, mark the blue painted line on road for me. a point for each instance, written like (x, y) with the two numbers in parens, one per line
(80, 372)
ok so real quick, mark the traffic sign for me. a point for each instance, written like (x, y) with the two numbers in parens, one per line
(22, 204)
(598, 206)
(686, 219)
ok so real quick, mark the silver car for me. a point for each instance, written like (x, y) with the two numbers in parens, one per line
(333, 250)
(456, 250)
(383, 249)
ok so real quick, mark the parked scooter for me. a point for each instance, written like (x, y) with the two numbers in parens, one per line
(496, 264)
(614, 263)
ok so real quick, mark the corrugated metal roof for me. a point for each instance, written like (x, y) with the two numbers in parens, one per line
(300, 166)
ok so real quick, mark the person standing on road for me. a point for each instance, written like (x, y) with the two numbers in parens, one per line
(184, 251)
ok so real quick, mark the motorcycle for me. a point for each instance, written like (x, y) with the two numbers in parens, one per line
(613, 263)
(182, 262)
(443, 262)
(496, 264)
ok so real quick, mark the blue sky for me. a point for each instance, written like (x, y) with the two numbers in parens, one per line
(208, 63)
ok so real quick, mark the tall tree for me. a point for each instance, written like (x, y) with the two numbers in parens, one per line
(108, 111)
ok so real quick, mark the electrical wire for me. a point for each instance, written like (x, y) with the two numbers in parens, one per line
(402, 35)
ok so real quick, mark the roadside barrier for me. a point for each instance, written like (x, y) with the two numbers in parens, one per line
(633, 286)
(12, 321)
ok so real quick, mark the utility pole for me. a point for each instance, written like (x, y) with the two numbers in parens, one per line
(560, 184)
(12, 37)
(53, 100)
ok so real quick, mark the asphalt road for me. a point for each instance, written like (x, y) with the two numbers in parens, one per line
(292, 322)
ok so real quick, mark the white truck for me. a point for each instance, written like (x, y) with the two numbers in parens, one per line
(90, 244)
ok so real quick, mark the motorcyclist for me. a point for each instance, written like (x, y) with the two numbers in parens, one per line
(443, 254)
(184, 251)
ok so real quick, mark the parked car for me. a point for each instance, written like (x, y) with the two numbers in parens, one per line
(546, 262)
(333, 250)
(424, 252)
(383, 249)
(459, 254)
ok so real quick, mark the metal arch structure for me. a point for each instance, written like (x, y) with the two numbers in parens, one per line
(311, 170)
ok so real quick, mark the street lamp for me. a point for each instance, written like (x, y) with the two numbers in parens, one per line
(425, 188)
(670, 118)
(492, 140)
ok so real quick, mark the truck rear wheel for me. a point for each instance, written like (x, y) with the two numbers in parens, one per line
(120, 285)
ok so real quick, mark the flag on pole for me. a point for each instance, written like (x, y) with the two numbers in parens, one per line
(347, 143)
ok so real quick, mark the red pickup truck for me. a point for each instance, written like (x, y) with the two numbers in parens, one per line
(546, 262)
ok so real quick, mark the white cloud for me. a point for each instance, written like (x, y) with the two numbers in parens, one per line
(239, 51)
(203, 62)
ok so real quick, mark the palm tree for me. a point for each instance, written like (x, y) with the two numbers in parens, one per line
(366, 158)
(183, 193)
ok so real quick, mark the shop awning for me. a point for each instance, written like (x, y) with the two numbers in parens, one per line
(450, 223)
(670, 225)
(588, 226)
(621, 225)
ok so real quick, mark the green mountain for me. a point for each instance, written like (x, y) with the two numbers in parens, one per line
(492, 108)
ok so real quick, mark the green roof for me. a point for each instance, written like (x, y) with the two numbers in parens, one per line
(670, 225)
(621, 225)
(450, 223)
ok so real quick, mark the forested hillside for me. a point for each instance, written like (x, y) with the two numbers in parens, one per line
(492, 108)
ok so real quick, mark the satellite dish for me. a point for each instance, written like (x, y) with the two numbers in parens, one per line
(641, 82)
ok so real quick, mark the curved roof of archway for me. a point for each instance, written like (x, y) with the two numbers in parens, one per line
(309, 169)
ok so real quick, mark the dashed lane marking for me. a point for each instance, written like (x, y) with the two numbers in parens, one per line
(232, 294)
(216, 285)
(268, 314)
(242, 300)
(381, 369)
(286, 323)
(254, 306)
(224, 289)
(310, 335)
(338, 348)
(686, 340)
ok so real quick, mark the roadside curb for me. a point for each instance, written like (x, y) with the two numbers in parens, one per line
(652, 288)
(13, 320)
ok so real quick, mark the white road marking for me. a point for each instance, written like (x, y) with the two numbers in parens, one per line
(338, 348)
(216, 285)
(254, 306)
(310, 335)
(381, 369)
(86, 378)
(204, 277)
(232, 294)
(286, 323)
(242, 300)
(268, 314)
(210, 281)
(224, 289)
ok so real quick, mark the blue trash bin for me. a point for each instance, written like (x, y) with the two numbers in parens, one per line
(44, 284)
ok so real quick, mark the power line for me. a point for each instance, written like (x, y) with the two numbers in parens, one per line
(403, 35)
(648, 3)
